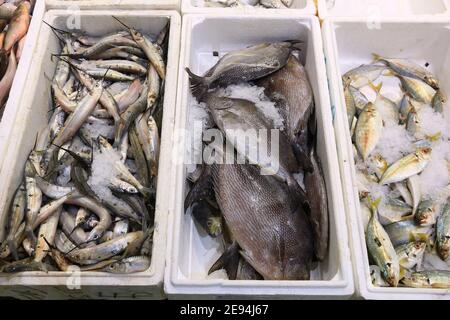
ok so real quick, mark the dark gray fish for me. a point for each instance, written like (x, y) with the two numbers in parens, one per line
(247, 272)
(267, 223)
(317, 195)
(290, 89)
(242, 65)
(236, 117)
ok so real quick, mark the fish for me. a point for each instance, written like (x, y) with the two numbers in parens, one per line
(385, 106)
(16, 216)
(317, 194)
(362, 75)
(418, 89)
(237, 117)
(18, 25)
(271, 229)
(438, 101)
(7, 79)
(411, 254)
(428, 279)
(129, 265)
(407, 166)
(405, 109)
(426, 213)
(350, 105)
(291, 90)
(376, 278)
(382, 250)
(359, 99)
(443, 232)
(368, 130)
(406, 230)
(408, 68)
(104, 250)
(414, 188)
(247, 64)
(404, 192)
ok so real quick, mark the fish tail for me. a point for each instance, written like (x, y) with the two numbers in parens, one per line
(376, 88)
(13, 248)
(229, 261)
(376, 57)
(373, 204)
(197, 84)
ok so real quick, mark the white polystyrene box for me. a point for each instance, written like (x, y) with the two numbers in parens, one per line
(33, 109)
(11, 110)
(307, 7)
(376, 9)
(348, 43)
(114, 4)
(191, 254)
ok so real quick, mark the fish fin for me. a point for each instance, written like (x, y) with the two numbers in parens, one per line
(376, 57)
(229, 261)
(403, 272)
(197, 84)
(197, 192)
(297, 191)
(373, 205)
(376, 88)
(13, 249)
(434, 137)
(302, 157)
(389, 73)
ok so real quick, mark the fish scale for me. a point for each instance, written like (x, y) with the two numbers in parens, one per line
(252, 205)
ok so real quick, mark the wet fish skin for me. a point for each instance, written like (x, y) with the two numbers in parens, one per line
(428, 279)
(362, 75)
(418, 89)
(268, 224)
(438, 101)
(368, 130)
(246, 64)
(241, 116)
(290, 89)
(411, 254)
(406, 231)
(426, 213)
(408, 68)
(407, 166)
(350, 104)
(317, 195)
(405, 108)
(443, 232)
(382, 250)
(129, 265)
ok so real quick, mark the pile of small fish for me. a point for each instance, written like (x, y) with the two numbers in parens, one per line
(402, 154)
(87, 197)
(273, 226)
(270, 4)
(14, 22)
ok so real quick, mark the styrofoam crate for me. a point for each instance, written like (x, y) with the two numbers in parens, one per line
(33, 116)
(114, 4)
(10, 111)
(348, 43)
(375, 9)
(307, 7)
(190, 255)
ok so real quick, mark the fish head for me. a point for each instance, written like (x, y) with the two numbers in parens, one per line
(426, 217)
(115, 267)
(391, 273)
(424, 153)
